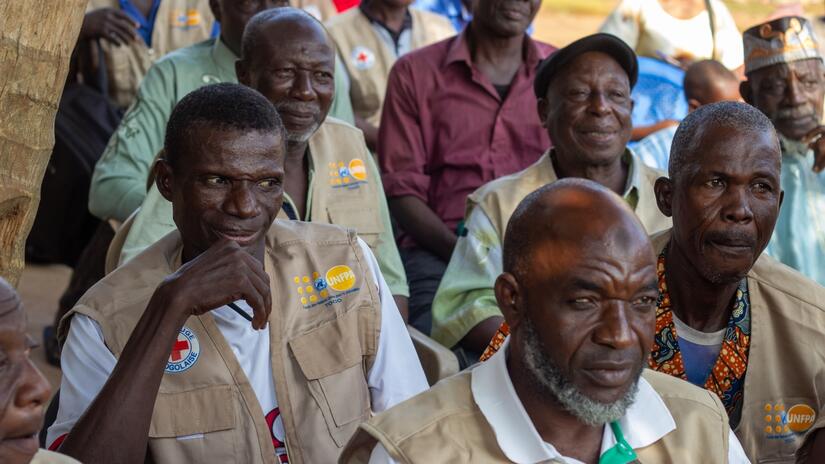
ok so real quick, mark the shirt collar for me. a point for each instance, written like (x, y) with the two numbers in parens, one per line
(406, 25)
(223, 57)
(646, 421)
(634, 176)
(459, 50)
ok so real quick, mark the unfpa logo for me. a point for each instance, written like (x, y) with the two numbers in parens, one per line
(348, 175)
(191, 19)
(782, 424)
(316, 290)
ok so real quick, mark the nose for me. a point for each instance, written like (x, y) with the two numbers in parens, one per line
(241, 201)
(34, 390)
(302, 87)
(737, 208)
(794, 94)
(598, 104)
(615, 330)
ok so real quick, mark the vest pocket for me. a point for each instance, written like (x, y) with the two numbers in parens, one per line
(366, 222)
(330, 358)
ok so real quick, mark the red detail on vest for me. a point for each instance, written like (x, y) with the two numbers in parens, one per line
(276, 431)
(59, 441)
(344, 5)
(362, 57)
(180, 345)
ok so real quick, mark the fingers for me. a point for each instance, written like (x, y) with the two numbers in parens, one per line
(817, 144)
(259, 280)
(813, 135)
(819, 160)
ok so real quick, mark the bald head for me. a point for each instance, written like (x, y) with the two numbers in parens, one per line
(709, 81)
(268, 29)
(569, 215)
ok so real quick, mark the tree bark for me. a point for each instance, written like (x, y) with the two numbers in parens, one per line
(36, 42)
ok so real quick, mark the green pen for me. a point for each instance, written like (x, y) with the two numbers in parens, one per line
(621, 452)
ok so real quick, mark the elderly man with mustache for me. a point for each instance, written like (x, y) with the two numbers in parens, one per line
(785, 81)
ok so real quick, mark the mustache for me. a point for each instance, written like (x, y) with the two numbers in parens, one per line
(797, 112)
(298, 107)
(732, 237)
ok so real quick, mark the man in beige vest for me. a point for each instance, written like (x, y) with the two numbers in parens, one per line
(736, 322)
(579, 291)
(24, 392)
(134, 33)
(331, 176)
(370, 38)
(162, 359)
(584, 102)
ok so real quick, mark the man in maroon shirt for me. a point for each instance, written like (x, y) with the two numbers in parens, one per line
(457, 115)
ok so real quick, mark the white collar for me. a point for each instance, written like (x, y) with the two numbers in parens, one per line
(646, 421)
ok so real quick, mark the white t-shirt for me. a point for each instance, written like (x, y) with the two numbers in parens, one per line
(395, 376)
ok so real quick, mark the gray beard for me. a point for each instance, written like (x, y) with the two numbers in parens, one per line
(301, 137)
(550, 379)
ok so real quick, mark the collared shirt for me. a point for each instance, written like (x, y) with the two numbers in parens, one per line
(654, 150)
(645, 422)
(87, 363)
(799, 236)
(119, 180)
(146, 24)
(445, 130)
(154, 220)
(397, 41)
(466, 297)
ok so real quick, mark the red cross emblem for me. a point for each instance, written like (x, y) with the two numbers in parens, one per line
(178, 348)
(185, 352)
(363, 58)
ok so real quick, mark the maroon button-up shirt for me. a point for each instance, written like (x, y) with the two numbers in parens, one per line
(445, 131)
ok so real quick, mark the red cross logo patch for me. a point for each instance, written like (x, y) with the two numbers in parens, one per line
(363, 58)
(185, 352)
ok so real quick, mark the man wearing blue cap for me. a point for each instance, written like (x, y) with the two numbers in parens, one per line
(583, 93)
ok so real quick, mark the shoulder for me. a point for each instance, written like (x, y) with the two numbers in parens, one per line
(648, 174)
(285, 233)
(529, 176)
(544, 49)
(49, 457)
(341, 21)
(679, 392)
(192, 55)
(428, 58)
(433, 20)
(777, 279)
(340, 128)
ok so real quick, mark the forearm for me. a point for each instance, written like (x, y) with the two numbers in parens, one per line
(479, 336)
(370, 132)
(428, 230)
(115, 426)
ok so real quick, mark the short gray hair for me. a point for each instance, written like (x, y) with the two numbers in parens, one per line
(741, 116)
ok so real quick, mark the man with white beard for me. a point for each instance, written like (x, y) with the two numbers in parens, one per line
(287, 55)
(579, 291)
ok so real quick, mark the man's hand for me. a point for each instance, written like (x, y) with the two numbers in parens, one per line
(222, 274)
(109, 23)
(816, 142)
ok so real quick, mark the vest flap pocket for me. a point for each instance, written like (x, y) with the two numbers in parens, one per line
(328, 349)
(193, 412)
(365, 221)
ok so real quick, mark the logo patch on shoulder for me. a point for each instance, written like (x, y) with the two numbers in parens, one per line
(349, 175)
(185, 352)
(363, 58)
(328, 289)
(786, 424)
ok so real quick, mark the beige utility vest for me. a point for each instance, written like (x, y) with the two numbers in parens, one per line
(347, 186)
(368, 59)
(324, 330)
(445, 425)
(178, 24)
(321, 9)
(784, 392)
(499, 198)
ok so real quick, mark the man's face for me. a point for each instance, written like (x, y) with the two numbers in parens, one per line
(24, 391)
(592, 310)
(726, 202)
(294, 68)
(587, 110)
(789, 94)
(229, 184)
(505, 18)
(234, 14)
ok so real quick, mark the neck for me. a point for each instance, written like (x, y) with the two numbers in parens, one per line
(699, 303)
(485, 46)
(391, 15)
(232, 48)
(296, 151)
(612, 175)
(554, 424)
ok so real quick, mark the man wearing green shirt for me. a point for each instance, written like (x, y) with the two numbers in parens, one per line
(119, 180)
(584, 102)
(331, 176)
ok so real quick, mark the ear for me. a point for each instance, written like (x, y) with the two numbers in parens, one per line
(215, 6)
(745, 91)
(242, 71)
(693, 104)
(509, 298)
(164, 176)
(664, 195)
(542, 109)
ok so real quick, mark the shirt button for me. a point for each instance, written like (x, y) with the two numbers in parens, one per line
(151, 52)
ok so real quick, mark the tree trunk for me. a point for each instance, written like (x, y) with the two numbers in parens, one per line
(36, 42)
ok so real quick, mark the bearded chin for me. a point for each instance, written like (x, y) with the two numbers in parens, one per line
(303, 136)
(551, 380)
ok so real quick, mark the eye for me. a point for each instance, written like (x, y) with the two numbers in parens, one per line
(284, 73)
(269, 183)
(584, 303)
(762, 187)
(645, 302)
(216, 181)
(322, 76)
(715, 183)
